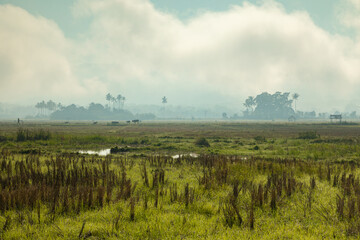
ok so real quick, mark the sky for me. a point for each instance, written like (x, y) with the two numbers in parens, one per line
(197, 53)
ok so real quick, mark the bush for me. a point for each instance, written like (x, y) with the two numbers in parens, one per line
(119, 149)
(30, 151)
(308, 135)
(260, 139)
(202, 142)
(3, 139)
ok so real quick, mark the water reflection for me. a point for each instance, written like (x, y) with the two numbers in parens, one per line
(103, 152)
(194, 155)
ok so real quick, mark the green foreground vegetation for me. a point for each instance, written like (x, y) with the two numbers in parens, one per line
(204, 180)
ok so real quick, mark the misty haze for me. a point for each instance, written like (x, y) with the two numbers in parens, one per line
(204, 57)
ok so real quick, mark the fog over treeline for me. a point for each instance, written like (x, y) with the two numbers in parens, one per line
(264, 106)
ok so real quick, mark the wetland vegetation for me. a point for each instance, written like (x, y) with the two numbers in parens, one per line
(178, 180)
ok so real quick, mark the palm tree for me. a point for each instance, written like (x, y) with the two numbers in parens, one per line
(108, 98)
(164, 101)
(295, 96)
(113, 100)
(59, 106)
(123, 102)
(119, 99)
(38, 106)
(42, 107)
(250, 103)
(51, 105)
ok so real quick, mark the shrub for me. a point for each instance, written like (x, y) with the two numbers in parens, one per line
(308, 135)
(3, 139)
(119, 149)
(260, 139)
(202, 142)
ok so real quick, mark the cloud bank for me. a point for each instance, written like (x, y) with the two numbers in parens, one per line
(144, 53)
(36, 60)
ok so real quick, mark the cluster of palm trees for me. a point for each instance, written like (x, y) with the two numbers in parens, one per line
(46, 107)
(117, 102)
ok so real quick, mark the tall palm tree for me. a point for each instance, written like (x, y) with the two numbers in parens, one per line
(51, 105)
(164, 101)
(119, 99)
(295, 96)
(250, 103)
(109, 98)
(42, 107)
(113, 100)
(59, 106)
(38, 106)
(123, 102)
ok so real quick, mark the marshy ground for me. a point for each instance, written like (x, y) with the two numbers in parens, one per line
(242, 180)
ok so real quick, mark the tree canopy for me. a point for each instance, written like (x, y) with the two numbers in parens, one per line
(96, 111)
(269, 106)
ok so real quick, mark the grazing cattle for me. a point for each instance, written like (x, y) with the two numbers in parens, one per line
(292, 119)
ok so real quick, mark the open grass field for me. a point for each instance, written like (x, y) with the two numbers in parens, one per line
(180, 180)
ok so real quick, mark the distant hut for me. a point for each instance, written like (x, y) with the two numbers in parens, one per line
(336, 117)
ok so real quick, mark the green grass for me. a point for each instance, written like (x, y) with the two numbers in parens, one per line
(197, 197)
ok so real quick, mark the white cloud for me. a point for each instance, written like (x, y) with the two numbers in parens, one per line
(348, 13)
(136, 50)
(35, 59)
(243, 51)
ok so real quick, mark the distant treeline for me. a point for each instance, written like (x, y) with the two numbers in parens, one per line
(96, 111)
(269, 106)
(266, 106)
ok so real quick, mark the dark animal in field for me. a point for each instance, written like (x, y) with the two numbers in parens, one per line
(292, 119)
